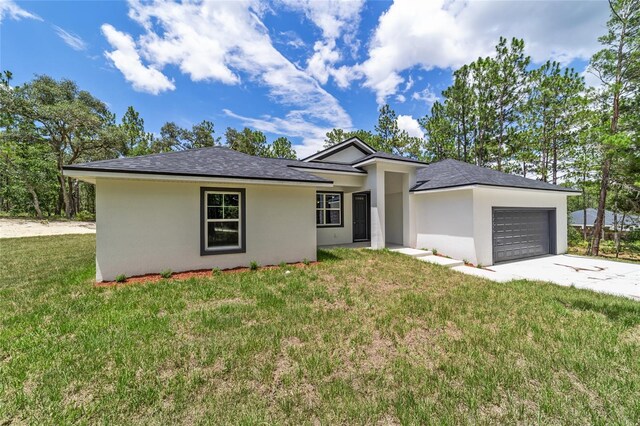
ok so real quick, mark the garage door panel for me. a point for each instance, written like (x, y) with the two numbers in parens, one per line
(520, 233)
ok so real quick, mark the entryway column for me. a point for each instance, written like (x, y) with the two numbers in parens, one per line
(377, 210)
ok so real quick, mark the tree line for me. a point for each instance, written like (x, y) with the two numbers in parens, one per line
(46, 124)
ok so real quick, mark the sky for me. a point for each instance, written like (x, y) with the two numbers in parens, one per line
(294, 68)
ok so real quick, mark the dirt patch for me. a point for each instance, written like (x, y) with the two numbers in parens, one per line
(200, 273)
(18, 228)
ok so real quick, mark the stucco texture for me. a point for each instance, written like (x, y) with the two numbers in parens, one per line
(149, 226)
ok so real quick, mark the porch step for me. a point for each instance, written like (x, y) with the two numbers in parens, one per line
(412, 252)
(484, 273)
(444, 261)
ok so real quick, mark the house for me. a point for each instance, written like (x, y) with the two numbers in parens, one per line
(214, 207)
(630, 222)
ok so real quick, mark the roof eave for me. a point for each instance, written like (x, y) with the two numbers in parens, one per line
(571, 192)
(90, 175)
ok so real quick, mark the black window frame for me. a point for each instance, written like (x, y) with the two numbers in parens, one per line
(204, 251)
(339, 193)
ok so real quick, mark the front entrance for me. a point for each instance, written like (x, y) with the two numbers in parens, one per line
(361, 215)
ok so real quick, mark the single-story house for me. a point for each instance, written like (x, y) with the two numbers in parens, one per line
(630, 222)
(215, 207)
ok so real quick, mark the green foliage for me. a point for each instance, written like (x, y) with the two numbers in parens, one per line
(85, 216)
(281, 148)
(252, 142)
(573, 236)
(306, 261)
(253, 265)
(283, 264)
(215, 271)
(167, 273)
(121, 278)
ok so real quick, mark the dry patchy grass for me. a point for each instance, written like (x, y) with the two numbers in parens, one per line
(363, 337)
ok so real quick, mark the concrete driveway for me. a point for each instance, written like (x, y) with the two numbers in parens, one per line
(604, 276)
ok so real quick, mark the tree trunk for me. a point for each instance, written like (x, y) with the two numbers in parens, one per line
(36, 202)
(65, 193)
(594, 250)
(584, 212)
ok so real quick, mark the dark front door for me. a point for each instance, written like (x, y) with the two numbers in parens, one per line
(361, 212)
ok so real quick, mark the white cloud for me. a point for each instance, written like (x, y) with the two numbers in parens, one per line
(126, 59)
(72, 40)
(591, 79)
(450, 33)
(426, 95)
(410, 125)
(227, 42)
(336, 19)
(8, 8)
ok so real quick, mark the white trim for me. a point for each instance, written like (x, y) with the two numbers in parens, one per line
(331, 172)
(325, 209)
(91, 176)
(459, 188)
(207, 221)
(353, 140)
(388, 160)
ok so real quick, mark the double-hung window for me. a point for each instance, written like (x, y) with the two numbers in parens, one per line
(223, 223)
(329, 209)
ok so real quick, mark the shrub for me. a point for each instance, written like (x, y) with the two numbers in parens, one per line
(574, 236)
(434, 251)
(283, 264)
(121, 278)
(253, 265)
(166, 273)
(85, 216)
(215, 271)
(306, 261)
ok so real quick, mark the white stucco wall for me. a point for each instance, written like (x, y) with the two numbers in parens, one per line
(458, 223)
(485, 198)
(148, 226)
(444, 221)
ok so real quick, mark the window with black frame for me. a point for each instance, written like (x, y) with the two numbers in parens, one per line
(329, 209)
(222, 227)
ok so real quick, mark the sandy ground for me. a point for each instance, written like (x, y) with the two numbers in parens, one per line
(15, 228)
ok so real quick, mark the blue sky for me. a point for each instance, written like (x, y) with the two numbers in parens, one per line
(288, 67)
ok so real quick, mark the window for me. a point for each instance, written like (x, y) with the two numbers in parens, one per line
(222, 224)
(329, 209)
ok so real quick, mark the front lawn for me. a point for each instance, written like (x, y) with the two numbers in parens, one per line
(363, 337)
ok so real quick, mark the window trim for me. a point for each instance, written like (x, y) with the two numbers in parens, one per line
(341, 194)
(204, 251)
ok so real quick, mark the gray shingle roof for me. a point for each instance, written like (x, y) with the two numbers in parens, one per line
(204, 162)
(576, 218)
(453, 173)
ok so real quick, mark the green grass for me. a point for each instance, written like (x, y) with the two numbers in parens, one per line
(362, 337)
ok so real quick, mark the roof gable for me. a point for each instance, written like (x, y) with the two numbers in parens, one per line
(347, 152)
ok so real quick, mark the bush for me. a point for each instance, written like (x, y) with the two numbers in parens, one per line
(283, 264)
(121, 278)
(306, 261)
(85, 216)
(574, 237)
(166, 273)
(434, 251)
(215, 271)
(253, 265)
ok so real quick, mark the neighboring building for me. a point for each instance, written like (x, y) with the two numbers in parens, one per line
(630, 221)
(214, 207)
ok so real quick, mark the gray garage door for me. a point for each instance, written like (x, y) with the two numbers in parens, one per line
(520, 233)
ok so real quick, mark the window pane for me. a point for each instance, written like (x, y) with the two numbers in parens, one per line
(319, 201)
(333, 201)
(221, 234)
(231, 212)
(333, 217)
(231, 200)
(319, 217)
(214, 212)
(214, 199)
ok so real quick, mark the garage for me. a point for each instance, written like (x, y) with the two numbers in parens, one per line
(520, 233)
